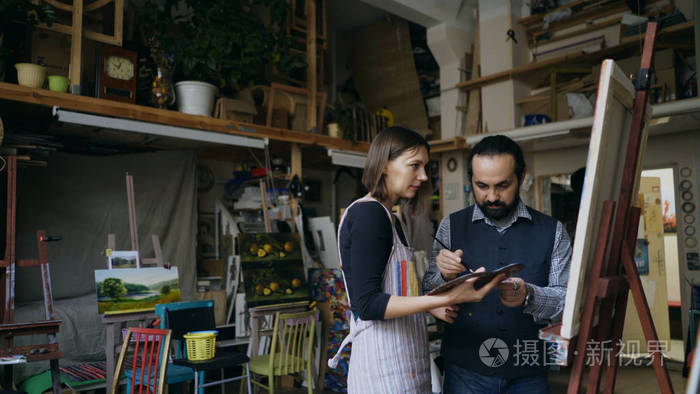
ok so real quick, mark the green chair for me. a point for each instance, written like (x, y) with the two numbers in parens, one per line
(290, 351)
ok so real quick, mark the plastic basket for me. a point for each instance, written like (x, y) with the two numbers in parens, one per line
(200, 345)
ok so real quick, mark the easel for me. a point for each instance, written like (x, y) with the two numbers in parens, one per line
(9, 328)
(110, 321)
(611, 287)
(156, 261)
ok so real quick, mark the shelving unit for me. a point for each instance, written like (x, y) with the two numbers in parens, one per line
(155, 116)
(534, 74)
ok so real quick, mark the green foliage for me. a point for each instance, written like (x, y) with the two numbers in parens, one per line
(223, 42)
(165, 290)
(133, 288)
(112, 288)
(21, 11)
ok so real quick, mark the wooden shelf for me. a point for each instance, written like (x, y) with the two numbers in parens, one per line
(447, 145)
(103, 107)
(529, 73)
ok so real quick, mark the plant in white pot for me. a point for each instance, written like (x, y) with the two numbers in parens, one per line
(219, 44)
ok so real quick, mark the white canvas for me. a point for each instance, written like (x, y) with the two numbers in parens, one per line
(323, 232)
(604, 167)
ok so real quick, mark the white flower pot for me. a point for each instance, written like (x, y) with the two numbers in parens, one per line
(195, 98)
(31, 75)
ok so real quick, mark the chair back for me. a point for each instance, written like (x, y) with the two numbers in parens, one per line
(292, 341)
(184, 317)
(148, 360)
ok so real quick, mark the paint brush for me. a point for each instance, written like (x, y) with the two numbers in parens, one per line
(445, 247)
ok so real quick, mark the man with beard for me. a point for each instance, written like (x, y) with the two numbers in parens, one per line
(492, 346)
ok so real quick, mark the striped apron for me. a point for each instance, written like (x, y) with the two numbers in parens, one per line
(389, 356)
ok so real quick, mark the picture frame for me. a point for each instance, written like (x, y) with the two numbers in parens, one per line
(118, 259)
(207, 244)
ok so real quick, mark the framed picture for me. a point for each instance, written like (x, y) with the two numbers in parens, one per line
(123, 259)
(272, 267)
(135, 290)
(206, 236)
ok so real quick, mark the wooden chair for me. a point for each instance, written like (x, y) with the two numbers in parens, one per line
(184, 317)
(290, 351)
(148, 361)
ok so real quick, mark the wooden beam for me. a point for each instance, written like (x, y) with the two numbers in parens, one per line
(173, 118)
(76, 45)
(311, 85)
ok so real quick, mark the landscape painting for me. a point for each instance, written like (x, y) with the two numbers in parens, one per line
(126, 290)
(273, 271)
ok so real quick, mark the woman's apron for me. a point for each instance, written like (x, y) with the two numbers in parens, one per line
(389, 356)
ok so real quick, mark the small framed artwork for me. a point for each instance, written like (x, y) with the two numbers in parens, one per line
(123, 259)
(206, 236)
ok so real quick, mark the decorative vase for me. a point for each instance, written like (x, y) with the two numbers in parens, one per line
(195, 97)
(31, 75)
(162, 91)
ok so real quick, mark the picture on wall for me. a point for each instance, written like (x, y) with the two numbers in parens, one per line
(206, 236)
(273, 270)
(128, 290)
(123, 259)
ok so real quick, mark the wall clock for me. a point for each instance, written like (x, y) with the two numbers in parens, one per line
(117, 74)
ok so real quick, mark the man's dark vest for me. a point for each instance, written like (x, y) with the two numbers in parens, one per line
(469, 341)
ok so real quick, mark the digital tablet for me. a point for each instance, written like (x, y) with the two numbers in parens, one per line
(483, 277)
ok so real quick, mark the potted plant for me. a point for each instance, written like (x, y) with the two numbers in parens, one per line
(218, 43)
(24, 11)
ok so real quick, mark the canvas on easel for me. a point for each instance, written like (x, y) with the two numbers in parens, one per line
(604, 167)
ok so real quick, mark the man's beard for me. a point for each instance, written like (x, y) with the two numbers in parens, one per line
(498, 209)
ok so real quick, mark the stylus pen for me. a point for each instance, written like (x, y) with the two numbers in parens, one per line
(445, 247)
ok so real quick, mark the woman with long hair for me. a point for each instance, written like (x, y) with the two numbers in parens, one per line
(388, 328)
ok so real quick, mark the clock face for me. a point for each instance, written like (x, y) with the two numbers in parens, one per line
(119, 68)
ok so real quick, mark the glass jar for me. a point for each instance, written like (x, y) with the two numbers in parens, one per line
(162, 90)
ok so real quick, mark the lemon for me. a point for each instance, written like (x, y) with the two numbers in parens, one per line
(282, 254)
(296, 282)
(289, 246)
(274, 286)
(268, 248)
(288, 291)
(261, 253)
(267, 291)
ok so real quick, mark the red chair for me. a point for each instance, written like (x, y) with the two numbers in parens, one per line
(146, 364)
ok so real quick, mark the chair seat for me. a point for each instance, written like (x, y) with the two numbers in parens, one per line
(220, 360)
(261, 364)
(178, 374)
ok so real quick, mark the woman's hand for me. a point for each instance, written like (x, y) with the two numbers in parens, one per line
(466, 292)
(445, 313)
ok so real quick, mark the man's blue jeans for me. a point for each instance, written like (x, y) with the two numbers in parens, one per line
(463, 381)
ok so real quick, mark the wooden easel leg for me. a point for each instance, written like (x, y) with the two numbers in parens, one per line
(621, 305)
(55, 376)
(586, 328)
(644, 312)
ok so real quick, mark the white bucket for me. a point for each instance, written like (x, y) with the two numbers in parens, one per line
(195, 98)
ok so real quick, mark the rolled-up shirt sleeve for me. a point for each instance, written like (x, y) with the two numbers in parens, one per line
(433, 278)
(366, 241)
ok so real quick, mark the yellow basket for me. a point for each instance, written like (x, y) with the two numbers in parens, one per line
(200, 345)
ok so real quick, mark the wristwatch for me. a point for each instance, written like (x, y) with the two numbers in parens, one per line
(529, 296)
